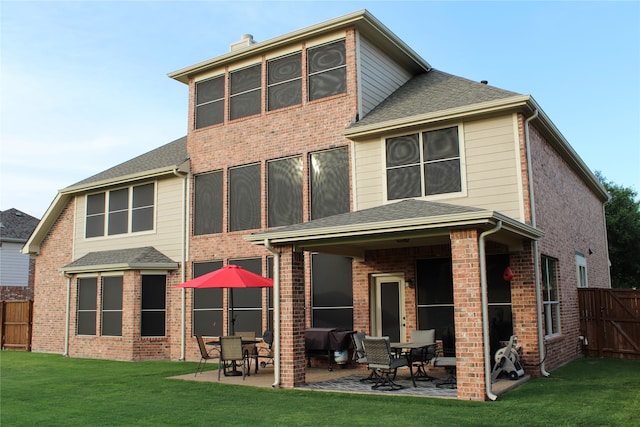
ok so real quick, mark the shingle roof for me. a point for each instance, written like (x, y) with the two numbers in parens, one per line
(145, 257)
(16, 225)
(405, 209)
(171, 154)
(430, 92)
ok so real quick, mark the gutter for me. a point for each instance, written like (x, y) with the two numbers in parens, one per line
(536, 261)
(183, 262)
(485, 311)
(276, 313)
(68, 314)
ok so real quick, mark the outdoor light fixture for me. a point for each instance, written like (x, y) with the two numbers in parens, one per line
(408, 283)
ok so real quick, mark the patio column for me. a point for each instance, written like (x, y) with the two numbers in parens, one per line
(467, 300)
(523, 307)
(292, 362)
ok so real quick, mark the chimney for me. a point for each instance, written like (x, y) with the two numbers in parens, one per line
(245, 41)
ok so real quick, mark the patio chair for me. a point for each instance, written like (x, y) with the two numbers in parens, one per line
(420, 357)
(250, 349)
(266, 352)
(379, 358)
(232, 356)
(360, 357)
(204, 354)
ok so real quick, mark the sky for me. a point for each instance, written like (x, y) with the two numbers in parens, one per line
(84, 86)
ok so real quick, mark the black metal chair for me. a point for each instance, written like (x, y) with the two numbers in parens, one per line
(204, 354)
(266, 352)
(420, 357)
(359, 355)
(380, 359)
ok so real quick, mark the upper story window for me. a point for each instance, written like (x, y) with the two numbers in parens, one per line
(284, 82)
(121, 211)
(245, 92)
(327, 69)
(209, 102)
(207, 212)
(284, 191)
(329, 182)
(423, 164)
(244, 197)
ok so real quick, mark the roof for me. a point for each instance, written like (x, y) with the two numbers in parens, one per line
(172, 154)
(16, 226)
(362, 20)
(430, 92)
(121, 259)
(403, 223)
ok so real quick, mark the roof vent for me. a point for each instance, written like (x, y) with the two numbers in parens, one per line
(245, 41)
(484, 82)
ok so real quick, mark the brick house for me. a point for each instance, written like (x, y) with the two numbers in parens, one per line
(381, 194)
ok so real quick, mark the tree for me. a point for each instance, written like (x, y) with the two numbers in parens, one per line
(623, 232)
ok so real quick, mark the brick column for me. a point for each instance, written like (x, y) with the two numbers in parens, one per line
(523, 307)
(467, 299)
(292, 311)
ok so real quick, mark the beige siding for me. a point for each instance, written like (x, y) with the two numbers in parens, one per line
(167, 234)
(491, 169)
(380, 76)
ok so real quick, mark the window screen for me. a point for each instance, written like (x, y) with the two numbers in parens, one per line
(208, 203)
(332, 283)
(284, 189)
(153, 305)
(112, 306)
(244, 198)
(327, 70)
(95, 215)
(118, 211)
(284, 81)
(207, 303)
(209, 102)
(247, 302)
(87, 305)
(329, 177)
(142, 210)
(245, 92)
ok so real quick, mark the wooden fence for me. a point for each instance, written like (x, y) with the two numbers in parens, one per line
(15, 324)
(610, 322)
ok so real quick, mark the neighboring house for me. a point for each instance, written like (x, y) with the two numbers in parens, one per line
(16, 268)
(381, 194)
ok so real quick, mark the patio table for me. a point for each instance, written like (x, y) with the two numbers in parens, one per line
(404, 348)
(245, 341)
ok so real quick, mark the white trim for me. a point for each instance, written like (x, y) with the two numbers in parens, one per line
(518, 156)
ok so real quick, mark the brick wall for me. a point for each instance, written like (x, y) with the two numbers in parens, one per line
(572, 218)
(50, 287)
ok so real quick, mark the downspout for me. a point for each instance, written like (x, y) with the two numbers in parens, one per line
(67, 320)
(183, 262)
(536, 261)
(485, 311)
(276, 313)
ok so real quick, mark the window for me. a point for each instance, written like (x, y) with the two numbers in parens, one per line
(329, 176)
(209, 102)
(244, 198)
(112, 306)
(581, 270)
(207, 303)
(327, 70)
(434, 288)
(550, 296)
(332, 283)
(207, 203)
(128, 210)
(284, 190)
(153, 311)
(87, 305)
(247, 302)
(245, 92)
(423, 164)
(284, 82)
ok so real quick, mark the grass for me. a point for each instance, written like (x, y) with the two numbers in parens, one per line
(45, 389)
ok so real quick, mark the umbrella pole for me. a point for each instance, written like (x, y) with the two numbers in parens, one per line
(233, 319)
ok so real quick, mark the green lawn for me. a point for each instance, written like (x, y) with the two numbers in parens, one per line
(44, 389)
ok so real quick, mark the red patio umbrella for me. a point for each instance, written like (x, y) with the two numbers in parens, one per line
(230, 276)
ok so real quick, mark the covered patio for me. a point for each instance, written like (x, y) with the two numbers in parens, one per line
(385, 242)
